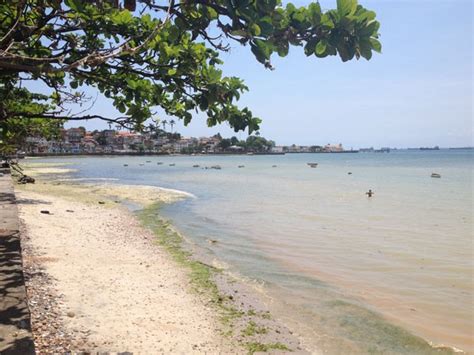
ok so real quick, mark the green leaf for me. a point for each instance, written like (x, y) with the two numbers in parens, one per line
(315, 13)
(203, 103)
(261, 50)
(187, 118)
(75, 5)
(283, 49)
(321, 48)
(255, 29)
(310, 47)
(326, 22)
(121, 107)
(132, 84)
(73, 84)
(376, 45)
(365, 48)
(367, 16)
(331, 50)
(370, 30)
(266, 27)
(290, 8)
(123, 17)
(212, 14)
(346, 7)
(173, 33)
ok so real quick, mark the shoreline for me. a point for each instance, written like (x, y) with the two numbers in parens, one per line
(238, 320)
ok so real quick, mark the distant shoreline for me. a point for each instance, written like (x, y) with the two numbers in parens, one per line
(226, 153)
(174, 154)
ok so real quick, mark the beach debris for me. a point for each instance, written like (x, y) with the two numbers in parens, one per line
(212, 241)
(45, 212)
(312, 165)
(70, 211)
(125, 164)
(71, 314)
(101, 202)
(369, 193)
(349, 173)
(241, 166)
(435, 175)
(195, 166)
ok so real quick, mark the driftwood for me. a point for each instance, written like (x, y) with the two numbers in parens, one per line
(23, 179)
(8, 162)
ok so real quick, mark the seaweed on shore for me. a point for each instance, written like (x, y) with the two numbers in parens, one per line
(200, 274)
(202, 281)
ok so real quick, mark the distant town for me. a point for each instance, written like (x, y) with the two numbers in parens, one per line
(80, 141)
(109, 141)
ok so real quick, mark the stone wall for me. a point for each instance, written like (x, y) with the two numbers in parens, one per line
(15, 327)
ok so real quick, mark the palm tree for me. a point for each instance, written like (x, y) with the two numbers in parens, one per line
(172, 123)
(164, 123)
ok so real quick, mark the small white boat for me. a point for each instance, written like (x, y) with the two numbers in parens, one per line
(435, 175)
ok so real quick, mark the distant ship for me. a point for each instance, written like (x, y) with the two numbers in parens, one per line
(428, 148)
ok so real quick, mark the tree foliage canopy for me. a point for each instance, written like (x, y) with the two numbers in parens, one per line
(159, 54)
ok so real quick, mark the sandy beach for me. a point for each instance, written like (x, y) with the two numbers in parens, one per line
(115, 285)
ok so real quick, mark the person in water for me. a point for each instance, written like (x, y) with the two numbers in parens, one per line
(369, 193)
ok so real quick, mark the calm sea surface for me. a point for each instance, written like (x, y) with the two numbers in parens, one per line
(339, 267)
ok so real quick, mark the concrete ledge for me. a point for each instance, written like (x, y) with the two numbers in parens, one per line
(15, 325)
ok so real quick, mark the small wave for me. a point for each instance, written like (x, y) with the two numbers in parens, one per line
(89, 179)
(180, 192)
(448, 347)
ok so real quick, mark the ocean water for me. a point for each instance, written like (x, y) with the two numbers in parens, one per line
(351, 274)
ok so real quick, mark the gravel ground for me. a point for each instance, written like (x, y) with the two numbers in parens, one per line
(49, 332)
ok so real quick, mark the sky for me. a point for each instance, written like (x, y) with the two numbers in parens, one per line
(418, 92)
